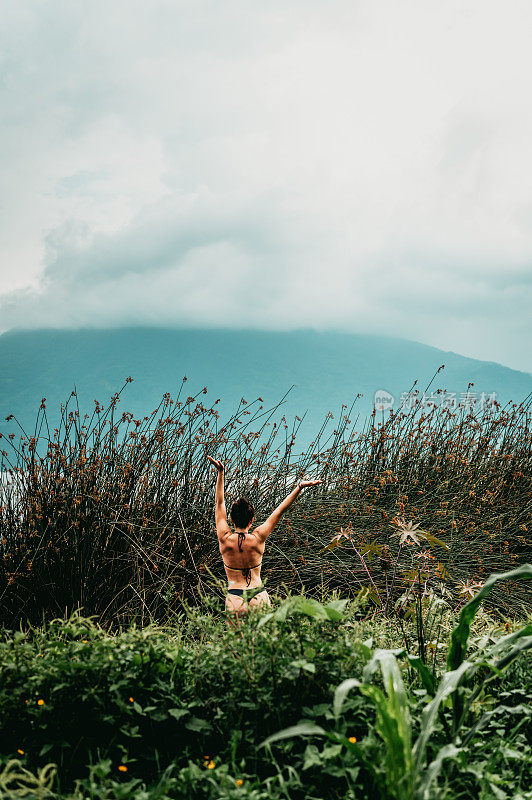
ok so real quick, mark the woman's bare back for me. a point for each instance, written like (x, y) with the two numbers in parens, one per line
(242, 550)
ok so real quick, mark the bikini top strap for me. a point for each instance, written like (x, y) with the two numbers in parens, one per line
(241, 569)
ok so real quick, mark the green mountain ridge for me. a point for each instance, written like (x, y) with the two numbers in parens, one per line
(325, 370)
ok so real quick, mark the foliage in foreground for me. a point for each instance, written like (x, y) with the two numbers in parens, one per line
(115, 514)
(409, 771)
(181, 711)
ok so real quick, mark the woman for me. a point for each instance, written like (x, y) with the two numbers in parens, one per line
(242, 549)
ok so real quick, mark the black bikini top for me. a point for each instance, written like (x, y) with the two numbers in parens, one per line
(246, 571)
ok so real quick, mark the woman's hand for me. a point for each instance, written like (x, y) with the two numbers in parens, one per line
(304, 484)
(218, 464)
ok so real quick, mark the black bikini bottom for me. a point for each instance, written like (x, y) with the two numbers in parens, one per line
(247, 594)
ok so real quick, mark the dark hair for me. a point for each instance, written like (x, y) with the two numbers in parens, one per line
(242, 512)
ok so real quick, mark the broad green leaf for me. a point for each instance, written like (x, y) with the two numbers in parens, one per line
(308, 606)
(302, 729)
(177, 713)
(363, 648)
(311, 608)
(284, 610)
(448, 684)
(338, 605)
(460, 634)
(301, 663)
(333, 614)
(509, 752)
(341, 693)
(331, 751)
(498, 793)
(427, 678)
(397, 704)
(398, 751)
(375, 661)
(524, 644)
(393, 722)
(433, 770)
(197, 725)
(507, 640)
(265, 618)
(519, 711)
(312, 757)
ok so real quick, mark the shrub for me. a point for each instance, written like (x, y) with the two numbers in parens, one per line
(180, 710)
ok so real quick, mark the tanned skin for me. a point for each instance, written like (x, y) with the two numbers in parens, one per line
(252, 546)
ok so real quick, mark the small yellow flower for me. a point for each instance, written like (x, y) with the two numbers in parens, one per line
(207, 758)
(239, 781)
(20, 751)
(84, 641)
(352, 739)
(122, 768)
(131, 700)
(40, 702)
(211, 765)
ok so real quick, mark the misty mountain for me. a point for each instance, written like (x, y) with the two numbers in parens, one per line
(325, 370)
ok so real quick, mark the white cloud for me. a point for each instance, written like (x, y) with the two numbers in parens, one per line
(355, 165)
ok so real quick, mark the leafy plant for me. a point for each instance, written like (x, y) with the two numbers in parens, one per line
(407, 568)
(406, 774)
(308, 607)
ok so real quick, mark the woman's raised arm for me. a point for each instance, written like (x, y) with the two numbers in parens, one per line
(264, 530)
(220, 512)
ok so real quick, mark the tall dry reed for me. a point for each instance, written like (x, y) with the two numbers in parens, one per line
(115, 514)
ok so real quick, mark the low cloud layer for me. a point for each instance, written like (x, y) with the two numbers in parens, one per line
(351, 165)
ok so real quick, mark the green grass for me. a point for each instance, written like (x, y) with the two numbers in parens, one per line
(158, 700)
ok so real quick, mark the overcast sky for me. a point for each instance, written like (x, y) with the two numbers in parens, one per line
(363, 166)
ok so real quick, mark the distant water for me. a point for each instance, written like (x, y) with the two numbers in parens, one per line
(320, 372)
